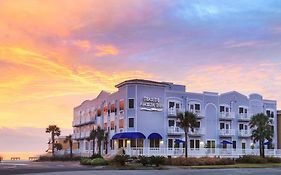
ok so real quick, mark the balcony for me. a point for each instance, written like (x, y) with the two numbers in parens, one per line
(76, 136)
(175, 130)
(197, 132)
(198, 113)
(244, 117)
(172, 112)
(244, 133)
(226, 116)
(226, 132)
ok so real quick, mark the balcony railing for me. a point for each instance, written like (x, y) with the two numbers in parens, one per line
(244, 133)
(175, 130)
(244, 116)
(197, 132)
(199, 113)
(226, 115)
(173, 111)
(226, 132)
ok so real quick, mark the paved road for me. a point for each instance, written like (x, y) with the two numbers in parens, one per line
(267, 171)
(74, 168)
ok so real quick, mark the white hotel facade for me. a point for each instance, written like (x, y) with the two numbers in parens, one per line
(140, 117)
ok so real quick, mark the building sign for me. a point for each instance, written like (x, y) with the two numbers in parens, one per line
(151, 104)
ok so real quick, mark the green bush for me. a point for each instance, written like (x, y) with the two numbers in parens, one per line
(94, 162)
(251, 159)
(58, 158)
(96, 156)
(121, 159)
(157, 160)
(273, 159)
(181, 161)
(144, 160)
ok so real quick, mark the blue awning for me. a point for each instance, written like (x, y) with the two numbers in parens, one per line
(226, 142)
(129, 135)
(179, 141)
(154, 136)
(266, 143)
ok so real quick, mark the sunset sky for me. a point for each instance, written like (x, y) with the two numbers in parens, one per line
(55, 54)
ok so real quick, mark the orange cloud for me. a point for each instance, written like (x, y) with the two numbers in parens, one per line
(103, 50)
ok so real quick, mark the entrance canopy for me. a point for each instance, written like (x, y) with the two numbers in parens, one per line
(129, 135)
(179, 141)
(154, 136)
(226, 142)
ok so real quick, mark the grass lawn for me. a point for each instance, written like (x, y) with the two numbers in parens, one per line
(267, 165)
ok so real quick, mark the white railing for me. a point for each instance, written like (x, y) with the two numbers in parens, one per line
(199, 152)
(244, 116)
(226, 115)
(175, 130)
(226, 132)
(173, 111)
(197, 131)
(199, 113)
(244, 133)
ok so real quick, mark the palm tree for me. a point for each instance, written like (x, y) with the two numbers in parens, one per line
(261, 130)
(68, 139)
(93, 136)
(106, 142)
(187, 120)
(55, 131)
(100, 138)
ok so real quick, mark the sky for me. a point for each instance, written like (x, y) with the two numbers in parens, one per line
(56, 54)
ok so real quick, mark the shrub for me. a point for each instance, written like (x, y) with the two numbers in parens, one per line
(273, 159)
(93, 162)
(96, 156)
(157, 160)
(144, 160)
(58, 158)
(181, 161)
(251, 159)
(121, 159)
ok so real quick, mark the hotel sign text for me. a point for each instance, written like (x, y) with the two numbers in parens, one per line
(151, 104)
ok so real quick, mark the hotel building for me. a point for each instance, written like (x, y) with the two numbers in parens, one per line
(141, 118)
(279, 129)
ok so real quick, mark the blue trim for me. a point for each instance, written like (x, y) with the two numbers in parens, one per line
(129, 135)
(154, 136)
(179, 141)
(266, 143)
(226, 142)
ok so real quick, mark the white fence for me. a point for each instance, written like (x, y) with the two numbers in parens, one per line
(202, 152)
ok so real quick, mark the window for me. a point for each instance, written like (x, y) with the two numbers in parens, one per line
(198, 124)
(121, 105)
(221, 108)
(112, 108)
(131, 122)
(241, 110)
(112, 125)
(105, 110)
(243, 145)
(120, 143)
(121, 123)
(99, 112)
(241, 126)
(234, 144)
(171, 104)
(197, 107)
(197, 143)
(224, 146)
(171, 123)
(191, 143)
(221, 125)
(170, 143)
(154, 143)
(131, 103)
(226, 109)
(191, 107)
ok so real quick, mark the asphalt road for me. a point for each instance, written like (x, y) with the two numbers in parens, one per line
(74, 168)
(267, 171)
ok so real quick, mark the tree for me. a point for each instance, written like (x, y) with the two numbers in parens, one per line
(261, 130)
(54, 131)
(106, 142)
(68, 139)
(93, 136)
(58, 146)
(187, 121)
(100, 138)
